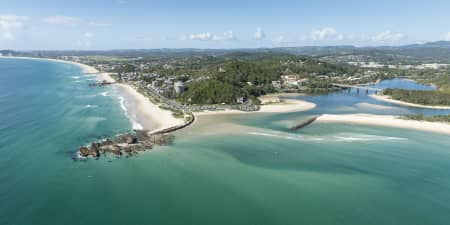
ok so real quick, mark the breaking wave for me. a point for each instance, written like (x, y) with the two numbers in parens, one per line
(135, 125)
(342, 137)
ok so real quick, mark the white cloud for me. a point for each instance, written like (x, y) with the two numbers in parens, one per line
(227, 36)
(207, 36)
(259, 34)
(86, 40)
(9, 25)
(201, 36)
(99, 24)
(388, 37)
(62, 20)
(446, 36)
(327, 33)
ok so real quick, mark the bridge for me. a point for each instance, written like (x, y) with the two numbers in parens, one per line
(357, 87)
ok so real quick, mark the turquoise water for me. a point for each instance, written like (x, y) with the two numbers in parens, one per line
(223, 170)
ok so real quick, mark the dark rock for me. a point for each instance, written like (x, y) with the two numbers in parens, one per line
(131, 140)
(106, 142)
(84, 151)
(116, 150)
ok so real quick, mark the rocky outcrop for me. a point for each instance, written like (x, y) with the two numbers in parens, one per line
(84, 151)
(130, 144)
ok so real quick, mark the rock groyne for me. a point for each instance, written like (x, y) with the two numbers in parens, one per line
(304, 124)
(124, 144)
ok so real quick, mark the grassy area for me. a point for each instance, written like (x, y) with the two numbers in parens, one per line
(421, 117)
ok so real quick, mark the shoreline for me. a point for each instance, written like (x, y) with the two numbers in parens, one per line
(287, 106)
(386, 121)
(142, 113)
(387, 98)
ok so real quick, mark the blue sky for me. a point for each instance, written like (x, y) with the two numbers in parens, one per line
(126, 24)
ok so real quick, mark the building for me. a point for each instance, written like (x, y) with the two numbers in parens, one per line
(178, 87)
(276, 84)
(290, 81)
(289, 78)
(240, 100)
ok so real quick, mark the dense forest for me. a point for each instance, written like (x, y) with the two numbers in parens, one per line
(433, 98)
(251, 75)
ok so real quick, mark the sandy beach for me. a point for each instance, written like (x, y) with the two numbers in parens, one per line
(386, 121)
(144, 114)
(387, 98)
(141, 111)
(285, 106)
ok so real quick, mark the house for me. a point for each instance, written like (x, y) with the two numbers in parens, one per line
(276, 84)
(240, 100)
(289, 78)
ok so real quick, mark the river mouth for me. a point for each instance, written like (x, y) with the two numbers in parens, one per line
(226, 169)
(352, 101)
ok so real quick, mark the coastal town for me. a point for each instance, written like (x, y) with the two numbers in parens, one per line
(178, 89)
(167, 87)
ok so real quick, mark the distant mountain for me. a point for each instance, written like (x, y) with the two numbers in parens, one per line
(438, 51)
(7, 52)
(428, 52)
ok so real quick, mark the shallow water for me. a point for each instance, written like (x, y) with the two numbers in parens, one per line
(245, 169)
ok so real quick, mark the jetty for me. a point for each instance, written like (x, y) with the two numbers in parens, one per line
(175, 128)
(304, 124)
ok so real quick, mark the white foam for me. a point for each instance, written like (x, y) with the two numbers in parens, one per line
(362, 137)
(76, 77)
(343, 137)
(91, 106)
(122, 104)
(135, 125)
(104, 94)
(262, 134)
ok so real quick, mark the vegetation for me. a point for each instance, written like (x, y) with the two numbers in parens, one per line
(237, 75)
(433, 98)
(421, 117)
(212, 92)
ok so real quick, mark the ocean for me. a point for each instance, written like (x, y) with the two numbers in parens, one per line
(239, 169)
